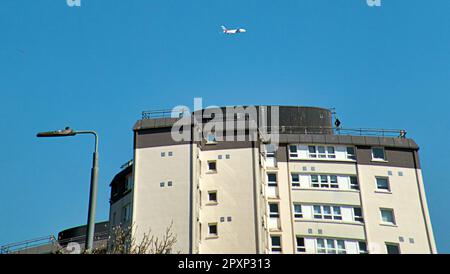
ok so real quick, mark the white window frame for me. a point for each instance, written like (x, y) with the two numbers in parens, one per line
(292, 154)
(298, 215)
(295, 183)
(353, 186)
(392, 244)
(394, 222)
(378, 159)
(321, 182)
(333, 215)
(362, 251)
(387, 181)
(350, 156)
(209, 229)
(276, 248)
(272, 183)
(215, 164)
(300, 248)
(330, 250)
(274, 214)
(356, 218)
(212, 192)
(321, 152)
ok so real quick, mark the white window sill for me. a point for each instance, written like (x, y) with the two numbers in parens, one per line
(388, 224)
(324, 159)
(383, 191)
(329, 221)
(379, 160)
(211, 143)
(211, 237)
(211, 172)
(325, 189)
(211, 203)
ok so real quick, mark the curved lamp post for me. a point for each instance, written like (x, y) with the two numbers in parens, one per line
(94, 179)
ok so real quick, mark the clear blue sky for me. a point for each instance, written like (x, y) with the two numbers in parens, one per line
(100, 65)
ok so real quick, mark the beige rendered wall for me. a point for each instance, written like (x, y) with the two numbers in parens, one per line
(233, 182)
(156, 207)
(404, 199)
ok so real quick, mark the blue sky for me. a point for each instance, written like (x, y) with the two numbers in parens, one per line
(98, 66)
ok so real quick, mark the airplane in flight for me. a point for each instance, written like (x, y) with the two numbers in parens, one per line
(232, 31)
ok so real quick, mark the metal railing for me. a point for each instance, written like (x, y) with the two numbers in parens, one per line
(82, 238)
(23, 245)
(162, 113)
(154, 114)
(307, 130)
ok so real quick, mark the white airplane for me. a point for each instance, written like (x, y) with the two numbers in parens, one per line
(232, 31)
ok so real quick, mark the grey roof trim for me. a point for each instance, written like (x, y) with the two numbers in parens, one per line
(348, 140)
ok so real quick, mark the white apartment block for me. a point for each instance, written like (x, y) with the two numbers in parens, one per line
(319, 191)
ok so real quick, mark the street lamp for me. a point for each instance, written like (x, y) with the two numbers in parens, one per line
(94, 179)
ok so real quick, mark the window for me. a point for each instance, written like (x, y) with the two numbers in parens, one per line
(212, 196)
(330, 246)
(362, 246)
(270, 150)
(212, 166)
(383, 183)
(378, 154)
(275, 243)
(324, 181)
(322, 153)
(170, 154)
(331, 153)
(357, 215)
(273, 211)
(161, 184)
(315, 181)
(211, 138)
(272, 179)
(301, 244)
(312, 152)
(229, 219)
(327, 212)
(351, 155)
(293, 153)
(333, 181)
(298, 211)
(219, 157)
(128, 182)
(392, 248)
(163, 154)
(169, 183)
(295, 180)
(387, 216)
(212, 229)
(354, 183)
(126, 213)
(227, 156)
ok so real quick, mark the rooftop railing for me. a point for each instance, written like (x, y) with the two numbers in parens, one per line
(378, 132)
(23, 245)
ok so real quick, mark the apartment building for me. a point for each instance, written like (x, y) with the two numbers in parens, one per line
(317, 189)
